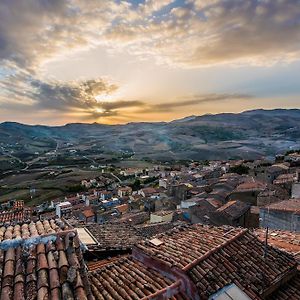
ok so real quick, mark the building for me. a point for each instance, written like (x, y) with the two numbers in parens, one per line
(284, 215)
(63, 209)
(42, 260)
(247, 192)
(224, 262)
(296, 190)
(234, 213)
(124, 191)
(161, 216)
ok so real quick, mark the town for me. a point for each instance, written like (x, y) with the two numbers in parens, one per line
(193, 230)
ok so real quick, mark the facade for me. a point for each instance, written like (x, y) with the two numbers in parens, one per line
(284, 215)
(161, 216)
(63, 209)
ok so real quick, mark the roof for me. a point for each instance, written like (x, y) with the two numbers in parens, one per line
(88, 213)
(112, 236)
(234, 209)
(213, 257)
(122, 208)
(290, 290)
(251, 186)
(150, 230)
(149, 190)
(133, 218)
(284, 240)
(48, 267)
(291, 205)
(127, 278)
(15, 216)
(32, 229)
(163, 213)
(284, 178)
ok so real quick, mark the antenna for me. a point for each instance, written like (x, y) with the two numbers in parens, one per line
(267, 233)
(266, 243)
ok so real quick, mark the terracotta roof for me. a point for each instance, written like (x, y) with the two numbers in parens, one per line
(150, 230)
(233, 209)
(149, 190)
(284, 178)
(32, 229)
(289, 291)
(52, 268)
(213, 257)
(19, 204)
(88, 213)
(133, 218)
(122, 208)
(291, 205)
(113, 236)
(284, 240)
(251, 186)
(127, 278)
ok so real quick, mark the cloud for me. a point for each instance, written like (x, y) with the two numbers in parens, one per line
(187, 33)
(32, 94)
(169, 106)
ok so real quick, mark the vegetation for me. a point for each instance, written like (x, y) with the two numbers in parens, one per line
(240, 169)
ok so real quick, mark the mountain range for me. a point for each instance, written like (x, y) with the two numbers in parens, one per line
(247, 135)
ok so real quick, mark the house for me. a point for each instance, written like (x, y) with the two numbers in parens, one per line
(147, 192)
(124, 191)
(296, 190)
(88, 215)
(112, 239)
(272, 194)
(63, 209)
(248, 191)
(51, 267)
(221, 256)
(107, 204)
(122, 209)
(286, 181)
(284, 215)
(161, 216)
(200, 212)
(234, 213)
(163, 183)
(106, 195)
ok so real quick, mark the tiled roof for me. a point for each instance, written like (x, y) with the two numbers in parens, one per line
(251, 186)
(113, 236)
(133, 218)
(291, 205)
(51, 267)
(289, 291)
(129, 279)
(17, 214)
(216, 256)
(183, 244)
(233, 209)
(150, 230)
(31, 229)
(88, 213)
(284, 240)
(163, 213)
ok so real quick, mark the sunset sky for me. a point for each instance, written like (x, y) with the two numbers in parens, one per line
(154, 60)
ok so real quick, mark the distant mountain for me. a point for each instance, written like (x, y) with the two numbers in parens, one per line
(250, 134)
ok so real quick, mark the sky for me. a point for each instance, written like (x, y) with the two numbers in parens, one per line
(65, 61)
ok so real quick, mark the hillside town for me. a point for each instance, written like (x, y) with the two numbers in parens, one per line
(197, 230)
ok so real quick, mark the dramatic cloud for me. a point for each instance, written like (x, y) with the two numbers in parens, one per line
(191, 33)
(184, 34)
(198, 99)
